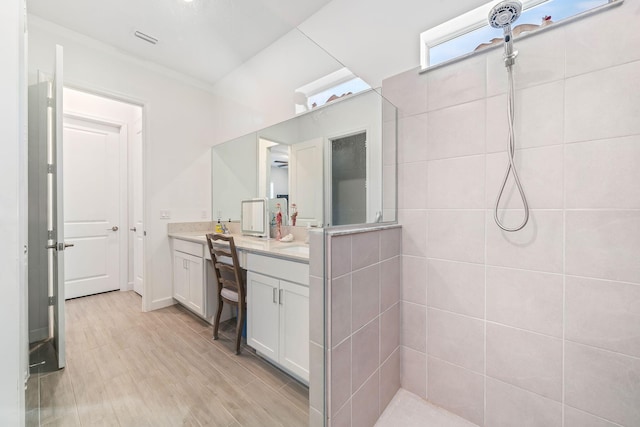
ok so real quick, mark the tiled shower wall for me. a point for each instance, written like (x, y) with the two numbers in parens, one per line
(540, 327)
(364, 279)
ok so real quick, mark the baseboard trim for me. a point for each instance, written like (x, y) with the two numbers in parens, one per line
(162, 303)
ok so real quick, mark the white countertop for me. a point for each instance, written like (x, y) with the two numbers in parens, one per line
(295, 251)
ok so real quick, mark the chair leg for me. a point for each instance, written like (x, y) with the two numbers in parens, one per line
(216, 322)
(239, 326)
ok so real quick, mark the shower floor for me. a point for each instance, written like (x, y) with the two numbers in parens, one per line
(408, 410)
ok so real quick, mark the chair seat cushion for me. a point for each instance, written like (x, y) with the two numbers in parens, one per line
(229, 294)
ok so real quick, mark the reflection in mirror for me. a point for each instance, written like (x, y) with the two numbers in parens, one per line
(337, 163)
(254, 220)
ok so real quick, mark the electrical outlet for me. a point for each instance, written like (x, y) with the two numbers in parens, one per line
(165, 214)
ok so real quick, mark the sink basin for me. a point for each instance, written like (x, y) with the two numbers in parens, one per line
(298, 249)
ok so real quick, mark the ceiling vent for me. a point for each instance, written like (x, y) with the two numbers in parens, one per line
(146, 37)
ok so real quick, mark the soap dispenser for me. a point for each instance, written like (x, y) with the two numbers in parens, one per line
(219, 228)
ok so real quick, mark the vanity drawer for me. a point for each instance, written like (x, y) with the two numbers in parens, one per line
(291, 271)
(191, 248)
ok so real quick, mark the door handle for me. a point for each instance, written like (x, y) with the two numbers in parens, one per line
(274, 295)
(114, 228)
(280, 297)
(133, 229)
(60, 246)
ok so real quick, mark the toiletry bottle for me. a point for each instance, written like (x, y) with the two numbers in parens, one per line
(219, 227)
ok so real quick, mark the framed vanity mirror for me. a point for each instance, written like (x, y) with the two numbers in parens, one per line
(254, 219)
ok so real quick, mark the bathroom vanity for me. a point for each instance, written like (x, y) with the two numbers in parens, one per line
(277, 293)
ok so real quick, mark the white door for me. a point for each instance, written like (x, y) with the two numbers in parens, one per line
(306, 182)
(262, 314)
(92, 206)
(138, 226)
(294, 328)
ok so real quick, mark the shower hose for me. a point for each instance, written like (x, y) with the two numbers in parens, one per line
(511, 167)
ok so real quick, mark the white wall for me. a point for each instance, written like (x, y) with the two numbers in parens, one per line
(537, 327)
(180, 120)
(13, 334)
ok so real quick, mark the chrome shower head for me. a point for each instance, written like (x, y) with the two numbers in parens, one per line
(502, 16)
(505, 13)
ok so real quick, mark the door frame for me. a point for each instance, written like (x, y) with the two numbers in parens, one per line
(328, 165)
(147, 302)
(123, 190)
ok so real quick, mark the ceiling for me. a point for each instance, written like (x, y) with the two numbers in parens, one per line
(207, 39)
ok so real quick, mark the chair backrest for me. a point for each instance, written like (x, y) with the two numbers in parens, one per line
(233, 279)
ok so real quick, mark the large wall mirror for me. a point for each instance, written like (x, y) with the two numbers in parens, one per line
(335, 165)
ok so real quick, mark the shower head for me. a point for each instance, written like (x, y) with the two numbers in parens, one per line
(505, 13)
(502, 16)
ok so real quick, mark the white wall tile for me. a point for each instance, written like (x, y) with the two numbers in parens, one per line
(456, 286)
(509, 406)
(365, 296)
(456, 85)
(414, 232)
(365, 249)
(340, 254)
(603, 314)
(389, 192)
(412, 138)
(365, 355)
(615, 41)
(413, 326)
(536, 62)
(412, 178)
(390, 143)
(525, 299)
(538, 246)
(390, 243)
(525, 359)
(603, 383)
(539, 117)
(456, 183)
(456, 339)
(456, 235)
(414, 279)
(389, 332)
(316, 376)
(456, 389)
(603, 174)
(407, 91)
(389, 379)
(576, 418)
(366, 403)
(602, 105)
(413, 369)
(316, 309)
(390, 282)
(540, 172)
(457, 131)
(340, 371)
(340, 309)
(603, 244)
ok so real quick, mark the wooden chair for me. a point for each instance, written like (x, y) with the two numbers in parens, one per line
(230, 281)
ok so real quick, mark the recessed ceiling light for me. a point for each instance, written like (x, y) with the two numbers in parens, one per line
(188, 1)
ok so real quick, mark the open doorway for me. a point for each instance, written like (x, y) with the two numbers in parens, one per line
(102, 194)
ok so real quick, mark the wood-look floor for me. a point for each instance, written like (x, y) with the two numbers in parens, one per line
(128, 368)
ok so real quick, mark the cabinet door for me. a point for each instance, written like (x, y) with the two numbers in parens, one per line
(180, 277)
(195, 269)
(262, 314)
(294, 328)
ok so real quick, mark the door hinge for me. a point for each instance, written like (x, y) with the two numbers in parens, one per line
(51, 234)
(51, 103)
(51, 168)
(52, 300)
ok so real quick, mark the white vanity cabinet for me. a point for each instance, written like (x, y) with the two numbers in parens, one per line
(190, 277)
(278, 312)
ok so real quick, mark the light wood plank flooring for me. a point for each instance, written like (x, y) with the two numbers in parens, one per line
(128, 368)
